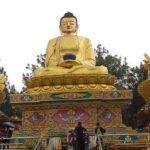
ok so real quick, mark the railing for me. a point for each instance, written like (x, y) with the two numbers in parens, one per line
(37, 143)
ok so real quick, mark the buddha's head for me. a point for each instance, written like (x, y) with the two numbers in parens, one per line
(68, 23)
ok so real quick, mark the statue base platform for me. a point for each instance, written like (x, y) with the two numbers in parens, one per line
(71, 82)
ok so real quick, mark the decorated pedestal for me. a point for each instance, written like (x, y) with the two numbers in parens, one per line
(56, 106)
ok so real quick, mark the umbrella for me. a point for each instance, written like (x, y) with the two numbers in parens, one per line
(9, 124)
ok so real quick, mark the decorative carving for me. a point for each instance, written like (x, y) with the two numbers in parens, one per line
(122, 95)
(72, 88)
(107, 115)
(35, 118)
(71, 116)
(70, 79)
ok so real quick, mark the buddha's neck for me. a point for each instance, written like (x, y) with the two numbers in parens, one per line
(67, 34)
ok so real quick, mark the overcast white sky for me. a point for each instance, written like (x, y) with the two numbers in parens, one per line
(122, 26)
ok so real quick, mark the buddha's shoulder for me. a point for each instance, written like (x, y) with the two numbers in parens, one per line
(82, 38)
(53, 41)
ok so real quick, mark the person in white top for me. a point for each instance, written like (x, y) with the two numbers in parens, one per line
(99, 131)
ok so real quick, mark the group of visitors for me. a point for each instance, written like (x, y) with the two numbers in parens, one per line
(79, 139)
(5, 134)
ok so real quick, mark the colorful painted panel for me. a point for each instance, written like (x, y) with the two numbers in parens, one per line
(107, 115)
(59, 118)
(35, 118)
(121, 95)
(72, 95)
(70, 116)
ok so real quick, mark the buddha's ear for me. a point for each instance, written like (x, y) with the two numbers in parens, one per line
(77, 27)
(60, 28)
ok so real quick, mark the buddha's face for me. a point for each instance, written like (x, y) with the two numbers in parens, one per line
(68, 25)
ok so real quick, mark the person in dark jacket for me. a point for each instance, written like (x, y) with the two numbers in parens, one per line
(79, 131)
(8, 134)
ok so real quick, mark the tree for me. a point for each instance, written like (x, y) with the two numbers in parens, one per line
(136, 76)
(127, 77)
(9, 89)
(31, 68)
(114, 64)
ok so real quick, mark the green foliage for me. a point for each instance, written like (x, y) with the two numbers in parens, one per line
(127, 77)
(31, 68)
(136, 76)
(10, 89)
(6, 106)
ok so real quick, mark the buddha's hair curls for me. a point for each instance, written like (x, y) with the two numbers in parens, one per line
(69, 15)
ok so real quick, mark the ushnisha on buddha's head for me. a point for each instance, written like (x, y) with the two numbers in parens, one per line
(68, 23)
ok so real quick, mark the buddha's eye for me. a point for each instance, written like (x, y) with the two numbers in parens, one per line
(71, 23)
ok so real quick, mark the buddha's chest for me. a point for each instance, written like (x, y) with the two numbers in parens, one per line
(67, 44)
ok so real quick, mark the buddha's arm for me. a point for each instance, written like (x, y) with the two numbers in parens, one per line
(50, 59)
(89, 54)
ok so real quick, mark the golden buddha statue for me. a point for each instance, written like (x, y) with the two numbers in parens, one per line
(144, 87)
(147, 63)
(2, 87)
(70, 64)
(69, 53)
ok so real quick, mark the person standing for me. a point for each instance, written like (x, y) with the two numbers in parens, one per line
(71, 140)
(2, 134)
(8, 135)
(86, 140)
(99, 131)
(79, 131)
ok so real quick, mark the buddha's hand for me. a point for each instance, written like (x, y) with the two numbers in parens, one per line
(69, 63)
